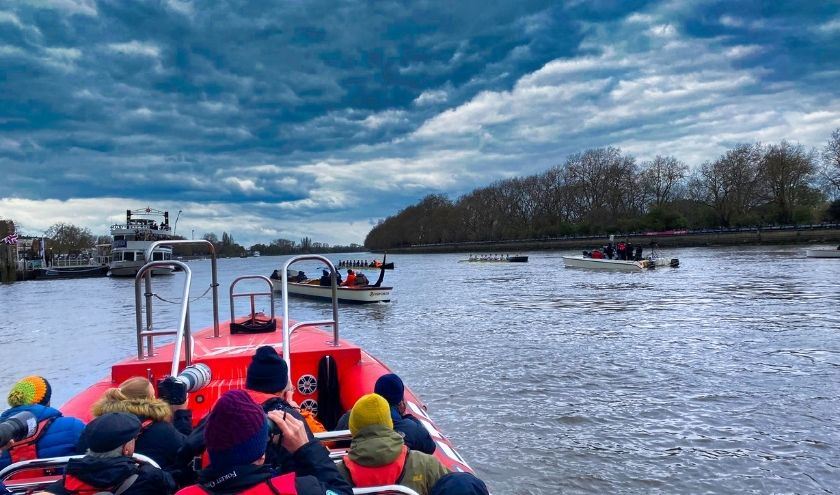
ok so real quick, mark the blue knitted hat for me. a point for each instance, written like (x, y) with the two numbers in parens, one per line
(391, 387)
(236, 432)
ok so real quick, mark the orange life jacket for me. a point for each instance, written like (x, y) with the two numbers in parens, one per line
(27, 449)
(279, 485)
(389, 474)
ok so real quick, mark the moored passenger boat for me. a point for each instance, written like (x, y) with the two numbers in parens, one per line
(128, 252)
(329, 374)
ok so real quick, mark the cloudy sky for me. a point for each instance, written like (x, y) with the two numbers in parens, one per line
(285, 119)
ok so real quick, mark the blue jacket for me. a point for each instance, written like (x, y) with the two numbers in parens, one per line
(58, 440)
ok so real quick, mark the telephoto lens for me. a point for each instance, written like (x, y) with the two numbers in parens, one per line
(195, 376)
(17, 427)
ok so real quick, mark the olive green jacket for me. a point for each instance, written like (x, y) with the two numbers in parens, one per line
(378, 446)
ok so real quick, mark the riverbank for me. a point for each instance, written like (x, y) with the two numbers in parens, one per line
(817, 234)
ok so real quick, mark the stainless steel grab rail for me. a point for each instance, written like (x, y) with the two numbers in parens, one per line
(384, 490)
(214, 284)
(183, 331)
(270, 293)
(25, 485)
(287, 333)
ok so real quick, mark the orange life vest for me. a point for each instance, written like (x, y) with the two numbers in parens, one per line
(389, 474)
(27, 449)
(279, 485)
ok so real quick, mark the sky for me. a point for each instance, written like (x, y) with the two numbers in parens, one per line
(289, 119)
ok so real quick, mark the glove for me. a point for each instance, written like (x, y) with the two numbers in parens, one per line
(172, 391)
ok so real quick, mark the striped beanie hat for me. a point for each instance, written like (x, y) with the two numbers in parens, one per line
(30, 390)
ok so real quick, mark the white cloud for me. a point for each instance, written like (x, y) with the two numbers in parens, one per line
(431, 97)
(69, 7)
(136, 48)
(10, 18)
(830, 27)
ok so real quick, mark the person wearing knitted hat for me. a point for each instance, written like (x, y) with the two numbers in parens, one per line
(237, 433)
(108, 466)
(460, 484)
(56, 434)
(415, 435)
(267, 382)
(378, 456)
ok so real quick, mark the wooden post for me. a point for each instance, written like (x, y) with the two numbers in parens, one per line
(8, 259)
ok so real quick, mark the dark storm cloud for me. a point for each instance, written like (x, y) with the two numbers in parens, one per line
(322, 112)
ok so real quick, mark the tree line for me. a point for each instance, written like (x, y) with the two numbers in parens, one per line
(604, 191)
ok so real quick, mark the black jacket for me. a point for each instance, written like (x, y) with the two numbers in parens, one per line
(414, 434)
(108, 474)
(275, 455)
(160, 441)
(315, 475)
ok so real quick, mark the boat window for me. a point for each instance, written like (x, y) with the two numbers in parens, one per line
(167, 256)
(117, 256)
(128, 256)
(157, 256)
(140, 256)
(119, 237)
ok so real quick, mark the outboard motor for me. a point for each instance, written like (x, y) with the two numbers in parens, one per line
(675, 263)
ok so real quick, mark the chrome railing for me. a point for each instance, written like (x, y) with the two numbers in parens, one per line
(251, 295)
(214, 284)
(384, 490)
(28, 485)
(182, 334)
(287, 331)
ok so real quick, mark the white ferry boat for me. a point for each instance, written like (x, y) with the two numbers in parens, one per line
(132, 239)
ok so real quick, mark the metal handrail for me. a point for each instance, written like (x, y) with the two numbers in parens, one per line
(332, 436)
(287, 333)
(270, 293)
(25, 486)
(214, 284)
(183, 332)
(384, 490)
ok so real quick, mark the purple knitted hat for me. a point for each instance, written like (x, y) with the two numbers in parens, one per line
(236, 432)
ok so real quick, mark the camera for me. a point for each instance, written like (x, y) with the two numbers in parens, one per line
(195, 376)
(17, 427)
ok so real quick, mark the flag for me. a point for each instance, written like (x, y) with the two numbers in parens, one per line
(10, 239)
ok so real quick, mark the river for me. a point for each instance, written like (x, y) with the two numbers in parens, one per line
(720, 376)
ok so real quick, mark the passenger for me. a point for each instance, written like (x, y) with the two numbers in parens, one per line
(300, 277)
(275, 275)
(597, 255)
(459, 484)
(378, 455)
(351, 279)
(416, 436)
(159, 439)
(638, 253)
(237, 434)
(56, 435)
(361, 279)
(622, 251)
(108, 466)
(325, 280)
(628, 251)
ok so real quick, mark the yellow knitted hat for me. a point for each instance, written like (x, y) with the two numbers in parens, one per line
(371, 409)
(30, 390)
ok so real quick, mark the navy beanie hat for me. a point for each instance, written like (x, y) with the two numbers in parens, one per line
(237, 431)
(459, 484)
(111, 430)
(391, 387)
(267, 372)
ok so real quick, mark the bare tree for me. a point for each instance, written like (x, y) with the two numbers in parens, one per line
(831, 163)
(731, 185)
(67, 238)
(661, 179)
(788, 171)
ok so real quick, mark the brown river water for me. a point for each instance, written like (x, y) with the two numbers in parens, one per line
(721, 376)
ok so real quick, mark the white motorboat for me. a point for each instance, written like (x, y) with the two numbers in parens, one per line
(618, 265)
(359, 294)
(823, 253)
(132, 239)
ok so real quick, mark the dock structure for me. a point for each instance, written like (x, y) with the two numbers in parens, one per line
(8, 253)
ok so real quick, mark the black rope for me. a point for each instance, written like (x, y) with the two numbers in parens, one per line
(178, 301)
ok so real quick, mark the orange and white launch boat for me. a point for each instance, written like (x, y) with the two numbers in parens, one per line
(329, 373)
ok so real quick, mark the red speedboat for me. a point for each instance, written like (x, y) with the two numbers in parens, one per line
(329, 373)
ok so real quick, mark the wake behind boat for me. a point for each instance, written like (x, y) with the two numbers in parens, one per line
(329, 374)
